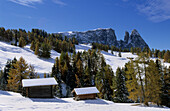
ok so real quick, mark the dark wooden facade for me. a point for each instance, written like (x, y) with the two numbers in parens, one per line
(39, 92)
(85, 96)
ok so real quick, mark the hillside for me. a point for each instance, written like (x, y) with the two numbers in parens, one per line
(43, 65)
(10, 101)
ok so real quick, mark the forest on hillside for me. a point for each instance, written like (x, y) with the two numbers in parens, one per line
(140, 80)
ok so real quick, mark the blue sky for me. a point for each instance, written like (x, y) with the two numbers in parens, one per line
(150, 17)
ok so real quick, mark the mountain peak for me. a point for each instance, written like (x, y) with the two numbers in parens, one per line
(135, 32)
(107, 36)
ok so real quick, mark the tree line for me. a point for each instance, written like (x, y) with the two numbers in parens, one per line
(164, 54)
(41, 41)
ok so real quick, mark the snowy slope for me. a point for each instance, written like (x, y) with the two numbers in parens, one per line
(43, 65)
(10, 101)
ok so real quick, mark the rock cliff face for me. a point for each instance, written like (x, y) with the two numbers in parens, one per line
(107, 37)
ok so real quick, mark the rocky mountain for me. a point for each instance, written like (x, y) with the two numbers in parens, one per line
(107, 37)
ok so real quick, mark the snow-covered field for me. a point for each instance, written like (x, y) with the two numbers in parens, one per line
(43, 65)
(10, 101)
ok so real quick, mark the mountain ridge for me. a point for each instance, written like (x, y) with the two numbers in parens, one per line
(107, 36)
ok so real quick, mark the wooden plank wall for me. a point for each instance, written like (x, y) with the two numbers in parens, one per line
(40, 92)
(87, 96)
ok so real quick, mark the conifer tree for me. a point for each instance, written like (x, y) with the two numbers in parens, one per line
(121, 91)
(45, 50)
(154, 85)
(131, 83)
(32, 46)
(167, 56)
(80, 71)
(165, 96)
(16, 75)
(87, 78)
(22, 42)
(37, 49)
(32, 73)
(57, 74)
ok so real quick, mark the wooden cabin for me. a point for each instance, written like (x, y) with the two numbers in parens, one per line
(85, 93)
(38, 88)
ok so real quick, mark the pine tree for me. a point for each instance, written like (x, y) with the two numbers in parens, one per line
(22, 42)
(132, 50)
(165, 96)
(16, 75)
(87, 78)
(32, 46)
(45, 50)
(32, 73)
(80, 71)
(121, 91)
(131, 83)
(139, 72)
(37, 49)
(167, 56)
(154, 85)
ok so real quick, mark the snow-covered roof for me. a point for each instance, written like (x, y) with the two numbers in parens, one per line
(39, 82)
(86, 90)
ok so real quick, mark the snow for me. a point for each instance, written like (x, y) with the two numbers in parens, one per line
(86, 90)
(43, 65)
(112, 59)
(38, 82)
(10, 101)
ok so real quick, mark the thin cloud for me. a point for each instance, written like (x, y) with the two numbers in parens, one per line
(59, 2)
(28, 3)
(155, 10)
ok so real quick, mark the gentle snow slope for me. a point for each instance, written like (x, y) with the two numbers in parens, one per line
(43, 65)
(10, 101)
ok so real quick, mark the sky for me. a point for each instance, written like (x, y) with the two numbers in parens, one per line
(151, 18)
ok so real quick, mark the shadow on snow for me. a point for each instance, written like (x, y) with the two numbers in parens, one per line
(48, 100)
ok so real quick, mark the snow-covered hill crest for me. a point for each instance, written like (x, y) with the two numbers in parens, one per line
(43, 65)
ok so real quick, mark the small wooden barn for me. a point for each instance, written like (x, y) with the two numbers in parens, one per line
(38, 88)
(85, 93)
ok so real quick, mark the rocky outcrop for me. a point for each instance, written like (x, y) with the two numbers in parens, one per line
(107, 37)
(135, 40)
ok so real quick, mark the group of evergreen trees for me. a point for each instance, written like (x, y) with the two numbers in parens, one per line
(89, 69)
(107, 47)
(14, 72)
(41, 41)
(147, 81)
(164, 54)
(82, 70)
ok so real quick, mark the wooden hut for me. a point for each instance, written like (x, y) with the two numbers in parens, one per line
(38, 88)
(85, 93)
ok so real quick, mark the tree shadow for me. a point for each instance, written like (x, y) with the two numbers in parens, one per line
(96, 101)
(4, 93)
(107, 53)
(57, 100)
